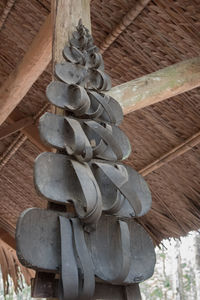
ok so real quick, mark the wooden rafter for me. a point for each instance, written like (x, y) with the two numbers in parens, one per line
(11, 150)
(39, 55)
(123, 24)
(16, 126)
(30, 68)
(6, 11)
(146, 90)
(132, 95)
(31, 132)
(158, 86)
(172, 154)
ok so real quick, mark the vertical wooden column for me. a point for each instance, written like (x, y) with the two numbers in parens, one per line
(65, 17)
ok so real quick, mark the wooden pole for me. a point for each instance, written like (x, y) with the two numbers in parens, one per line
(16, 126)
(65, 16)
(158, 86)
(30, 68)
(172, 154)
(131, 15)
(137, 93)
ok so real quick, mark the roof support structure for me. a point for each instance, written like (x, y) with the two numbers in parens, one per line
(123, 24)
(66, 14)
(16, 126)
(158, 86)
(9, 5)
(31, 132)
(172, 154)
(133, 95)
(141, 92)
(27, 72)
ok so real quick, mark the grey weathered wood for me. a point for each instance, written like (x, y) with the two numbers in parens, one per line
(63, 180)
(38, 245)
(79, 134)
(38, 239)
(134, 188)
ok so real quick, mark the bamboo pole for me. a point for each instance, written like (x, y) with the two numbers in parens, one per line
(123, 24)
(172, 154)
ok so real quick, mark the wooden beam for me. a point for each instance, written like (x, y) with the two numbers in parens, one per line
(10, 129)
(131, 15)
(172, 154)
(132, 95)
(11, 150)
(30, 68)
(6, 11)
(31, 132)
(158, 86)
(147, 90)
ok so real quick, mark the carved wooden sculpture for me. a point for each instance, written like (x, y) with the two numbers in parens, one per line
(101, 242)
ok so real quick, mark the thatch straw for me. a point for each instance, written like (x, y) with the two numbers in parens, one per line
(18, 141)
(10, 266)
(6, 11)
(124, 23)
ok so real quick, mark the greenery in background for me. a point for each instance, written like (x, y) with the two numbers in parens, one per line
(175, 272)
(175, 278)
(22, 295)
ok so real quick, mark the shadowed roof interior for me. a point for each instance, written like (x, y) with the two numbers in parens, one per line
(164, 33)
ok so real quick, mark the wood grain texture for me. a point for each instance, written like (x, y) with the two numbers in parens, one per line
(65, 17)
(29, 69)
(123, 24)
(158, 86)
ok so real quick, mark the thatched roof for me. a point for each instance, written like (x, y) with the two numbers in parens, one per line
(163, 33)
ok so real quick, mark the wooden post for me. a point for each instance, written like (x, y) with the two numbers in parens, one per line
(65, 16)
